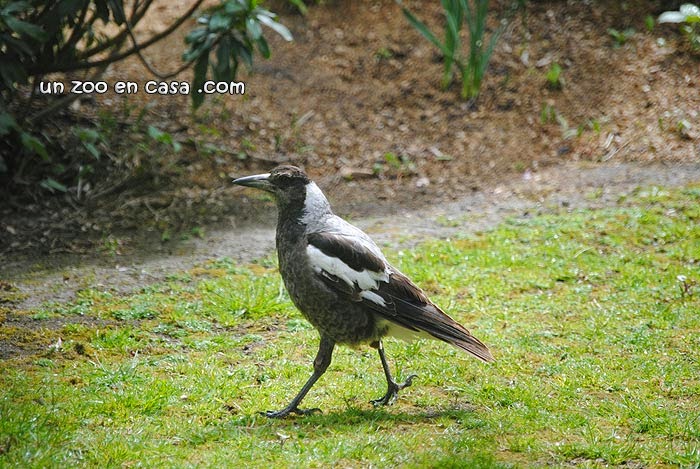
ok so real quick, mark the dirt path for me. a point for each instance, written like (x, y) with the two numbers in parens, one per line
(564, 187)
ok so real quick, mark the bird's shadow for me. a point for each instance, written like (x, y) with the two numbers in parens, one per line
(352, 416)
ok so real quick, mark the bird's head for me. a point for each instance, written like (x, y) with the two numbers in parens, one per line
(287, 183)
(283, 178)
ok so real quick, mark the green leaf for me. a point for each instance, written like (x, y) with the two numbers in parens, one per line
(201, 46)
(452, 32)
(7, 123)
(265, 18)
(34, 145)
(649, 23)
(468, 12)
(452, 41)
(195, 36)
(671, 17)
(51, 184)
(27, 29)
(200, 76)
(240, 50)
(423, 29)
(554, 75)
(219, 22)
(253, 28)
(453, 13)
(14, 7)
(233, 7)
(301, 6)
(87, 135)
(222, 71)
(690, 10)
(158, 135)
(92, 149)
(263, 47)
(163, 137)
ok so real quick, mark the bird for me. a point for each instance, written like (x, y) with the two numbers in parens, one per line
(340, 281)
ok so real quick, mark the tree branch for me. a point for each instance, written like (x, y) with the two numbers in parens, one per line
(137, 48)
(78, 28)
(136, 16)
(69, 98)
(121, 55)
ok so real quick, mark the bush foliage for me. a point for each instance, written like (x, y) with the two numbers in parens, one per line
(40, 39)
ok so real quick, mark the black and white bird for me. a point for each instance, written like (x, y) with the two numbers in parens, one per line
(342, 283)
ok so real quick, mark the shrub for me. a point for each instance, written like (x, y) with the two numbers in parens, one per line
(471, 67)
(39, 39)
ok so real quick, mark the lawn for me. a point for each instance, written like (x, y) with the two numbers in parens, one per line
(593, 317)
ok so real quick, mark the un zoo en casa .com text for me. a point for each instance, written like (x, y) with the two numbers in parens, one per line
(149, 87)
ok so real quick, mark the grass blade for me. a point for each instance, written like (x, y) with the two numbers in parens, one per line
(423, 29)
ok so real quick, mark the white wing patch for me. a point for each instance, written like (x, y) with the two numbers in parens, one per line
(365, 280)
(373, 297)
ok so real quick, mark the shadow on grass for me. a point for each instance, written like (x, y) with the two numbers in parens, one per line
(354, 416)
(341, 431)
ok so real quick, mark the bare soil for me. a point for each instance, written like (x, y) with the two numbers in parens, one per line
(357, 86)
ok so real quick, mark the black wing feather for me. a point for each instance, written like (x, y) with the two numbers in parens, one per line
(349, 250)
(404, 303)
(409, 307)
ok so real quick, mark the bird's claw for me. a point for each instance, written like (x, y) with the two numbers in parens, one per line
(280, 414)
(393, 392)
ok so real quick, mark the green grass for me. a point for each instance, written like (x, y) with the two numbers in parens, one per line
(597, 344)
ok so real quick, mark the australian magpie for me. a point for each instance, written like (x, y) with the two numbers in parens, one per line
(342, 283)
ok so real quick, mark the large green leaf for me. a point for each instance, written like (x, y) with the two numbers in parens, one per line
(14, 7)
(26, 29)
(253, 28)
(234, 6)
(219, 22)
(266, 18)
(222, 70)
(242, 51)
(263, 48)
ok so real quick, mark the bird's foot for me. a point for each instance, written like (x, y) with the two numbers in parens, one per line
(393, 392)
(280, 414)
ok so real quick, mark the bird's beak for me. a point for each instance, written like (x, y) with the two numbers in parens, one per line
(259, 181)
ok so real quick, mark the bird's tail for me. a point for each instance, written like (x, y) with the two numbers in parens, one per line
(431, 320)
(465, 341)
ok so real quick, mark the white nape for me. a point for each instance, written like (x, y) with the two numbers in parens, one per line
(315, 203)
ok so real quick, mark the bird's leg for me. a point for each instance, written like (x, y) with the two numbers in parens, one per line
(321, 362)
(393, 387)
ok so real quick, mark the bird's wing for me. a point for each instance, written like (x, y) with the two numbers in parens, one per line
(354, 267)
